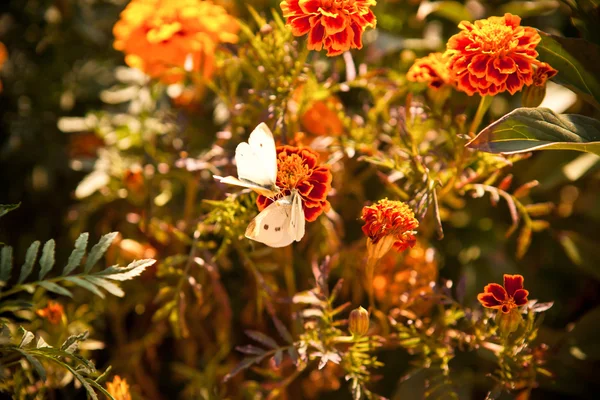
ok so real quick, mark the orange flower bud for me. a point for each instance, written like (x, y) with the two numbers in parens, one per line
(359, 321)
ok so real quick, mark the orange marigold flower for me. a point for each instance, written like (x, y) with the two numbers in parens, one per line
(299, 168)
(389, 224)
(493, 55)
(431, 69)
(162, 37)
(53, 312)
(321, 117)
(506, 298)
(336, 25)
(118, 388)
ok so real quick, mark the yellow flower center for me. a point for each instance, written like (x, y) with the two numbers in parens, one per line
(291, 171)
(495, 39)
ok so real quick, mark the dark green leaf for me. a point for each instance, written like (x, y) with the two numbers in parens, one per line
(577, 62)
(30, 257)
(262, 338)
(6, 208)
(98, 250)
(77, 253)
(14, 305)
(528, 129)
(47, 258)
(54, 288)
(86, 285)
(35, 364)
(246, 363)
(5, 263)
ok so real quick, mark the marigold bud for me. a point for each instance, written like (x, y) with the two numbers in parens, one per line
(359, 321)
(509, 322)
(533, 96)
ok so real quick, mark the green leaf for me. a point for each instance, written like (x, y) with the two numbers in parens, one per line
(54, 288)
(451, 10)
(5, 263)
(98, 250)
(35, 364)
(577, 62)
(529, 8)
(86, 285)
(6, 208)
(47, 258)
(72, 343)
(528, 129)
(262, 338)
(77, 253)
(30, 257)
(106, 285)
(134, 269)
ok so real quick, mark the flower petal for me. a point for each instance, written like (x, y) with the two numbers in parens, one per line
(520, 297)
(512, 283)
(497, 291)
(488, 300)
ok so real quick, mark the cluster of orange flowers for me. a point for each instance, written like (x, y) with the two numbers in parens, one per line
(335, 25)
(299, 168)
(165, 38)
(488, 57)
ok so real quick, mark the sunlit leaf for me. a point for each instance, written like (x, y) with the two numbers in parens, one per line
(30, 257)
(47, 259)
(77, 253)
(528, 129)
(98, 250)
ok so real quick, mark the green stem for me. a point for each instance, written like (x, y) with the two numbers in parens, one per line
(484, 105)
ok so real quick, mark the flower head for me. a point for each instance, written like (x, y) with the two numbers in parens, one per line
(162, 37)
(389, 224)
(321, 117)
(506, 298)
(53, 312)
(299, 169)
(493, 55)
(431, 70)
(336, 25)
(118, 388)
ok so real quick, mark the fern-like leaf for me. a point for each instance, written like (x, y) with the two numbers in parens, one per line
(98, 250)
(5, 263)
(47, 259)
(30, 257)
(77, 253)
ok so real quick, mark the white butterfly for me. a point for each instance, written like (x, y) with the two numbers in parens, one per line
(256, 163)
(280, 224)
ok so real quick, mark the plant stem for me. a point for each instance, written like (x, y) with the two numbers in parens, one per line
(484, 104)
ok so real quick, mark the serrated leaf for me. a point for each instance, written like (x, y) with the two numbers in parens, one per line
(134, 269)
(262, 338)
(250, 349)
(577, 62)
(106, 285)
(41, 343)
(283, 331)
(293, 353)
(35, 364)
(27, 337)
(77, 253)
(86, 285)
(30, 257)
(54, 288)
(529, 129)
(245, 364)
(98, 250)
(47, 258)
(72, 343)
(5, 263)
(278, 358)
(6, 208)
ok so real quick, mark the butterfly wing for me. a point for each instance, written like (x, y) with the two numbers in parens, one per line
(231, 180)
(257, 159)
(271, 226)
(297, 221)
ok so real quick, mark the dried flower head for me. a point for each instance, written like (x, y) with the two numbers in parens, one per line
(388, 224)
(431, 70)
(299, 168)
(118, 388)
(493, 55)
(336, 25)
(506, 298)
(164, 37)
(53, 312)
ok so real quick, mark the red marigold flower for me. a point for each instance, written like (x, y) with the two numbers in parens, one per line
(506, 298)
(336, 25)
(542, 73)
(493, 55)
(53, 312)
(431, 69)
(389, 224)
(299, 168)
(162, 37)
